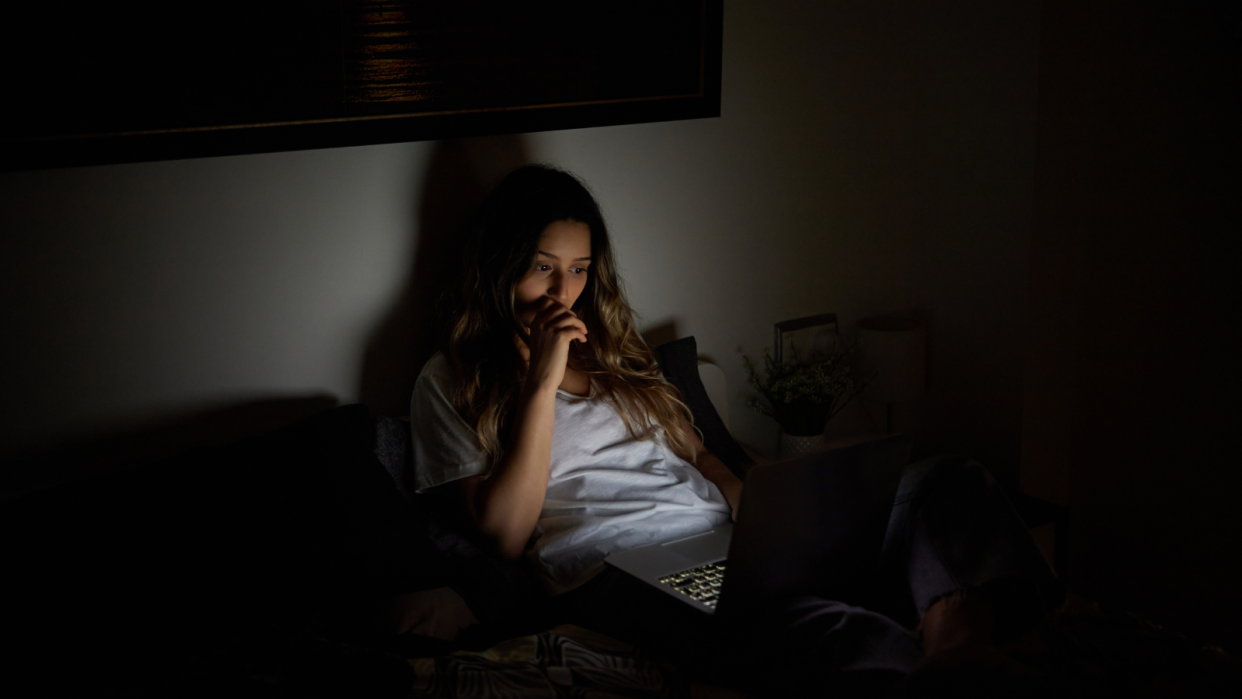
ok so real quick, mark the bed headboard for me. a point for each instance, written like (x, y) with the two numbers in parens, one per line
(713, 379)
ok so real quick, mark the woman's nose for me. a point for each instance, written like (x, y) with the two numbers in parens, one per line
(557, 288)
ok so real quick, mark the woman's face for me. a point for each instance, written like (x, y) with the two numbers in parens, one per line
(559, 269)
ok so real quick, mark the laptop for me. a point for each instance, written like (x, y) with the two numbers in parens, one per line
(808, 526)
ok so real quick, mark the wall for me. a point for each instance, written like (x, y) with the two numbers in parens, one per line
(869, 158)
(1131, 381)
(973, 165)
(882, 159)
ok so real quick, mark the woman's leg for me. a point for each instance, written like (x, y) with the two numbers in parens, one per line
(953, 529)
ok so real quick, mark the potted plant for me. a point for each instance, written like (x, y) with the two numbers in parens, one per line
(802, 397)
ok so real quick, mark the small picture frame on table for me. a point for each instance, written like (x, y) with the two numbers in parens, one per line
(811, 339)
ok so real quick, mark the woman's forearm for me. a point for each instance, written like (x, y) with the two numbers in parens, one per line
(714, 470)
(506, 505)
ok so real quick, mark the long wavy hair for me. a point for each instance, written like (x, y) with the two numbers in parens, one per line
(482, 326)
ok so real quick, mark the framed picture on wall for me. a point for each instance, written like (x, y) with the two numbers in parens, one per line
(94, 84)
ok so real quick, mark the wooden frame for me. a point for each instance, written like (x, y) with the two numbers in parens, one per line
(332, 73)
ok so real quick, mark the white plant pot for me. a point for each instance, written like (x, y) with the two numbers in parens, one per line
(793, 446)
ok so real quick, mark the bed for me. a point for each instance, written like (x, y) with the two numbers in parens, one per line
(271, 567)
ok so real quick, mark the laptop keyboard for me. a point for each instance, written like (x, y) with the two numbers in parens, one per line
(702, 583)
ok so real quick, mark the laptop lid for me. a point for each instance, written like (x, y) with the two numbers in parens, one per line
(813, 526)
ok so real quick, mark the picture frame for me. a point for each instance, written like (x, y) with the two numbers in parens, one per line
(810, 338)
(96, 86)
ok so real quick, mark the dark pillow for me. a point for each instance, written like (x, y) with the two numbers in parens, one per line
(679, 360)
(296, 512)
(202, 556)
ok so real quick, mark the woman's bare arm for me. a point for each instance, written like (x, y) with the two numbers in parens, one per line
(714, 470)
(505, 505)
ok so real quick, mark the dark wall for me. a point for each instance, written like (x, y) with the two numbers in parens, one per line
(1133, 381)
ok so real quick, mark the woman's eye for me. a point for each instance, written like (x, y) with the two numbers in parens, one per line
(579, 270)
(543, 268)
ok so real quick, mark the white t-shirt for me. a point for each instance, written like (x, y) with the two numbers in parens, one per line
(606, 491)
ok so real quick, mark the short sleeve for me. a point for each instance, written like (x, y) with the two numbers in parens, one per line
(445, 448)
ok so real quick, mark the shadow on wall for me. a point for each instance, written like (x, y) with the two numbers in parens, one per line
(459, 174)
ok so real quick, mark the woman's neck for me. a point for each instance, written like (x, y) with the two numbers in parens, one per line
(576, 381)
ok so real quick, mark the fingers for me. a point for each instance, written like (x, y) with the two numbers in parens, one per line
(549, 308)
(552, 330)
(567, 328)
(555, 317)
(573, 333)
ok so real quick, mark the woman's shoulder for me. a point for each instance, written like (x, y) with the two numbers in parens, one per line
(437, 370)
(438, 364)
(436, 383)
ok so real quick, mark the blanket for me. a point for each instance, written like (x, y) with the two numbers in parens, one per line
(564, 662)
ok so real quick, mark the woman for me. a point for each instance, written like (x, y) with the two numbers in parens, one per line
(546, 388)
(546, 425)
